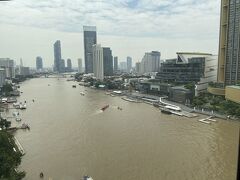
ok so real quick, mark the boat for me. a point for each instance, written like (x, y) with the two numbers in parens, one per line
(173, 108)
(18, 119)
(119, 108)
(87, 178)
(11, 100)
(74, 86)
(112, 95)
(15, 113)
(131, 100)
(82, 93)
(4, 100)
(25, 126)
(23, 106)
(166, 111)
(104, 107)
(41, 175)
(16, 105)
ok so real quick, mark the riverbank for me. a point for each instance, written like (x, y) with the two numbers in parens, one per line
(186, 110)
(11, 154)
(71, 137)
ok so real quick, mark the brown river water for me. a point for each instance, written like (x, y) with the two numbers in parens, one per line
(70, 137)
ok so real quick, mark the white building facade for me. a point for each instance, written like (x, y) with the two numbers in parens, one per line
(98, 62)
(8, 65)
(210, 68)
(2, 77)
(80, 68)
(150, 62)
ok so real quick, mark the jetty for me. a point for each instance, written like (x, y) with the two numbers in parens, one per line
(19, 146)
(207, 120)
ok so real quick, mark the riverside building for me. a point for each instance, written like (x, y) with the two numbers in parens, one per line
(229, 43)
(150, 62)
(200, 68)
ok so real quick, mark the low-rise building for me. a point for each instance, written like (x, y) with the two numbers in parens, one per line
(24, 71)
(180, 94)
(200, 68)
(232, 93)
(2, 77)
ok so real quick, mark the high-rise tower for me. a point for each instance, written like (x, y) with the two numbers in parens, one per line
(90, 38)
(57, 56)
(229, 43)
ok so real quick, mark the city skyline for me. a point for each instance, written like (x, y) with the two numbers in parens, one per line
(125, 37)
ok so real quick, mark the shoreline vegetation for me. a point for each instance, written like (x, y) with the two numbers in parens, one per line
(10, 152)
(10, 158)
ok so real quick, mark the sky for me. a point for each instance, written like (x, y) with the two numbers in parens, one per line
(29, 28)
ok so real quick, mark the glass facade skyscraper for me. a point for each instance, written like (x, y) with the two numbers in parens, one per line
(107, 61)
(90, 38)
(115, 64)
(229, 46)
(39, 63)
(57, 56)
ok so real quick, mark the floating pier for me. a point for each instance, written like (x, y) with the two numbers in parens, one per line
(207, 120)
(19, 146)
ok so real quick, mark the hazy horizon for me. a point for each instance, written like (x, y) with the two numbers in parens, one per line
(129, 27)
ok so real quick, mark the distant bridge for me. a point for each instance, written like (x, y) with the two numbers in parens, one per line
(55, 75)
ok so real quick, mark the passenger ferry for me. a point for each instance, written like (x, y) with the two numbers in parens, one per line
(173, 108)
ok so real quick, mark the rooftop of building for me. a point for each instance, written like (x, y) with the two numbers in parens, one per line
(195, 53)
(235, 86)
(89, 28)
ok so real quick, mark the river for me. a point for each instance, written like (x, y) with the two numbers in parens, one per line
(70, 137)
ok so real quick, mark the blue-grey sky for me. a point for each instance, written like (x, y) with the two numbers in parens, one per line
(28, 28)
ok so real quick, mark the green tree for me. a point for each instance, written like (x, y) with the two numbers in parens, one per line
(7, 88)
(9, 159)
(4, 124)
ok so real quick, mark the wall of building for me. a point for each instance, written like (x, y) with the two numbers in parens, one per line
(98, 62)
(150, 62)
(233, 93)
(8, 65)
(2, 77)
(107, 61)
(90, 38)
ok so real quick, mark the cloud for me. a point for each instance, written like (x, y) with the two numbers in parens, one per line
(138, 18)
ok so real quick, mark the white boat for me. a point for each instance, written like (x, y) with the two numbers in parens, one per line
(174, 108)
(4, 100)
(15, 113)
(11, 100)
(24, 106)
(18, 119)
(87, 178)
(82, 93)
(16, 105)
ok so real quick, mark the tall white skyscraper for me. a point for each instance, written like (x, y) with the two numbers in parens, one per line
(80, 69)
(129, 64)
(98, 61)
